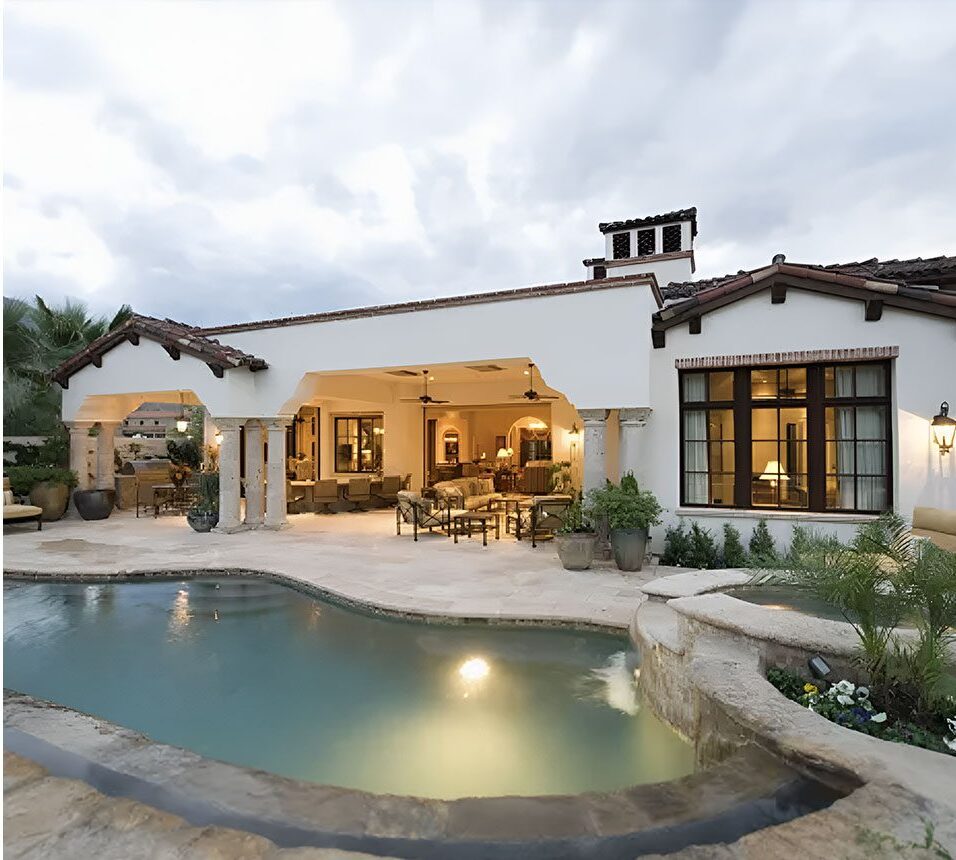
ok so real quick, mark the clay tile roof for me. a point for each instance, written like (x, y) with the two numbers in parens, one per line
(651, 220)
(866, 280)
(940, 271)
(175, 337)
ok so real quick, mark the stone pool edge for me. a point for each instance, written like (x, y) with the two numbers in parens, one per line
(340, 598)
(714, 804)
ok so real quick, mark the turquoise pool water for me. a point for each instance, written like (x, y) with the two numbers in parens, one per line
(252, 672)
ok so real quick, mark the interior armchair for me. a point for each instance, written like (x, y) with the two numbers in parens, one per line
(419, 513)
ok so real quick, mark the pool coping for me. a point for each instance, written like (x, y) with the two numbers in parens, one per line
(748, 791)
(340, 598)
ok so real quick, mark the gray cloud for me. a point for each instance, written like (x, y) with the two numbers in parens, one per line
(813, 129)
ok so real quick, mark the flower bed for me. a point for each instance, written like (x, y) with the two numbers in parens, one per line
(856, 708)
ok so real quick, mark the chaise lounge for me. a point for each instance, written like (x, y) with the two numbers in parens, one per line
(14, 513)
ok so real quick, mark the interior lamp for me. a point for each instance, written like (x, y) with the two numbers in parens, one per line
(774, 472)
(503, 454)
(944, 429)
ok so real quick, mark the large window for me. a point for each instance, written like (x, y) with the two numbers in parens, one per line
(814, 437)
(359, 443)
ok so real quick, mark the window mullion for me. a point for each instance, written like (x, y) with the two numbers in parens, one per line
(816, 439)
(742, 434)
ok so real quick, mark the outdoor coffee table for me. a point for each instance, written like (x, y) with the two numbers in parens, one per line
(469, 519)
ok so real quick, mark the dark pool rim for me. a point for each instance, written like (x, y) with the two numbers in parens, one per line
(746, 792)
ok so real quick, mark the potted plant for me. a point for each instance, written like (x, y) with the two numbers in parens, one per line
(575, 539)
(48, 487)
(203, 516)
(630, 512)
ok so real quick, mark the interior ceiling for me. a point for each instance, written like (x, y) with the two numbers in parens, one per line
(513, 370)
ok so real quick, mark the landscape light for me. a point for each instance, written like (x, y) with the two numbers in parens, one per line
(819, 667)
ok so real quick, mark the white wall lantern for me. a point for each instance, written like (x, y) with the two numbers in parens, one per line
(944, 429)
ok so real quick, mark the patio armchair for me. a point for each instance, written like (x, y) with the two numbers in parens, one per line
(388, 493)
(359, 493)
(419, 513)
(548, 514)
(325, 494)
(14, 513)
(294, 497)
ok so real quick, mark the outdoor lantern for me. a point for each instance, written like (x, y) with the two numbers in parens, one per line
(944, 428)
(182, 425)
(218, 438)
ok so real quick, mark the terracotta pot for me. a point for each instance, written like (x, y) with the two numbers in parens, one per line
(94, 504)
(202, 522)
(629, 546)
(576, 550)
(53, 497)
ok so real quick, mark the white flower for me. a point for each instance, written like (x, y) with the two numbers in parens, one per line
(950, 742)
(878, 718)
(845, 700)
(952, 724)
(863, 692)
(844, 687)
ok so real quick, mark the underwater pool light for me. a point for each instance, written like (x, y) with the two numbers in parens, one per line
(474, 669)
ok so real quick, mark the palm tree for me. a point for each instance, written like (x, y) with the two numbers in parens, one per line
(37, 338)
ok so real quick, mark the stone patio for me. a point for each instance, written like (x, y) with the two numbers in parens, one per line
(355, 556)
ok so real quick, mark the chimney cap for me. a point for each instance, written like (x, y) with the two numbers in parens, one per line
(778, 259)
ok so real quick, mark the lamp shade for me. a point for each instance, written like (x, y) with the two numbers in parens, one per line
(774, 472)
(944, 429)
(503, 453)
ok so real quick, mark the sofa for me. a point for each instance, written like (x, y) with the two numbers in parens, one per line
(14, 513)
(937, 524)
(468, 494)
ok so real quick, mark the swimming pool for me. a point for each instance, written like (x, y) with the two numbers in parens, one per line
(251, 672)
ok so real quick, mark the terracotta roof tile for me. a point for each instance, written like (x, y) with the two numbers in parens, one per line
(651, 220)
(175, 337)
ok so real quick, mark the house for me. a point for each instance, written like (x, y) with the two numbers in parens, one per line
(796, 392)
(152, 420)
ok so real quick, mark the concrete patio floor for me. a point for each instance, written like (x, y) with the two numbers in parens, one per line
(356, 556)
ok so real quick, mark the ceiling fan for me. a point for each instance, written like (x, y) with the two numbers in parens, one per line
(531, 394)
(424, 398)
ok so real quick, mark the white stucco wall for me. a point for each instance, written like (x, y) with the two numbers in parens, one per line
(593, 346)
(923, 376)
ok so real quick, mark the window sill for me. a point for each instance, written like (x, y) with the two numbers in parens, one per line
(762, 513)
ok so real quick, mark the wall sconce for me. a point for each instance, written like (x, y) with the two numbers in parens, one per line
(218, 438)
(944, 429)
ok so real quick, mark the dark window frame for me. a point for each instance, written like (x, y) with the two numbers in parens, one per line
(371, 419)
(641, 234)
(668, 231)
(816, 403)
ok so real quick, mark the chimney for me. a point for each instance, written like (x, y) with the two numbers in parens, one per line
(778, 259)
(662, 244)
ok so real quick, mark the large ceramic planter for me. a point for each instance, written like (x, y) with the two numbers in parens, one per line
(94, 504)
(202, 522)
(576, 550)
(53, 497)
(629, 546)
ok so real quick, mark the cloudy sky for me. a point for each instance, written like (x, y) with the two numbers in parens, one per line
(216, 162)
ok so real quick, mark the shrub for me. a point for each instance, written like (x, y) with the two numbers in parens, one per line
(207, 500)
(703, 550)
(734, 553)
(25, 478)
(763, 552)
(185, 452)
(676, 546)
(55, 451)
(576, 520)
(626, 506)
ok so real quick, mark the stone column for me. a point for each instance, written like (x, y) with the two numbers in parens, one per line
(229, 474)
(595, 468)
(105, 447)
(275, 475)
(630, 422)
(255, 479)
(80, 453)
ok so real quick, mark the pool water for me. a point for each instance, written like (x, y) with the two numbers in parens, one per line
(786, 597)
(251, 672)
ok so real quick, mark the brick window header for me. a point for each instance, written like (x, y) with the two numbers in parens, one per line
(808, 356)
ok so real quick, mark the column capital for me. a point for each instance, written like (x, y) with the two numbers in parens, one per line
(278, 422)
(593, 416)
(636, 416)
(228, 424)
